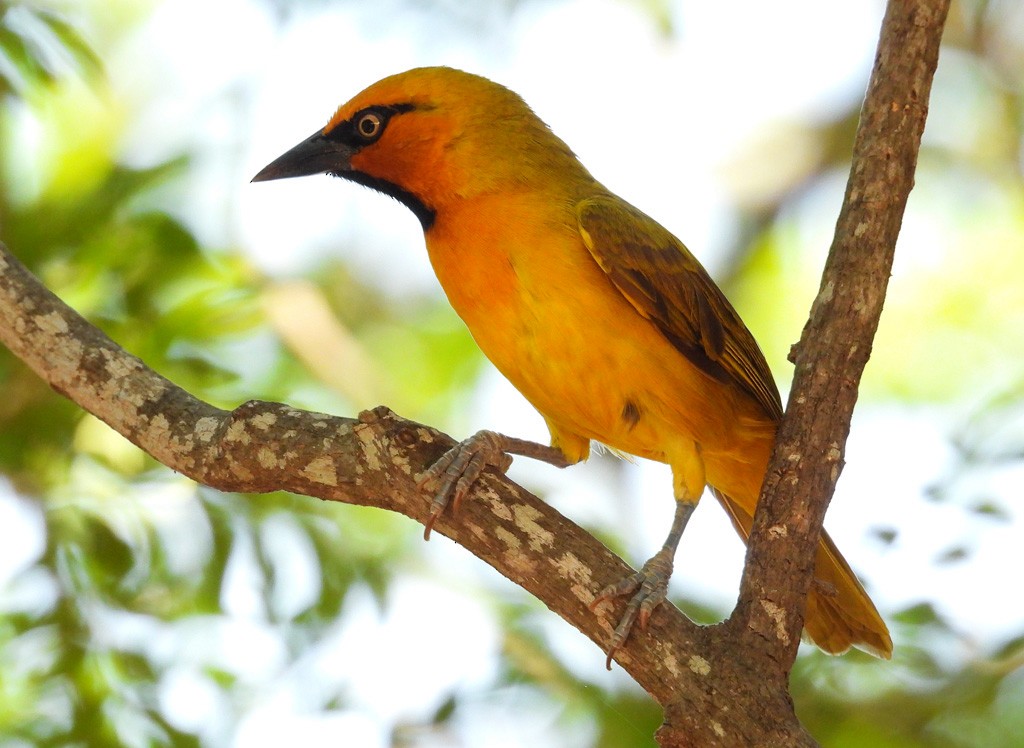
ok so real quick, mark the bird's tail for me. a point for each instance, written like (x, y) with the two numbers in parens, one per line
(839, 612)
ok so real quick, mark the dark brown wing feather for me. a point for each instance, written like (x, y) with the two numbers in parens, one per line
(667, 285)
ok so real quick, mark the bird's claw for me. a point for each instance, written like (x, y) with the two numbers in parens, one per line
(454, 474)
(649, 587)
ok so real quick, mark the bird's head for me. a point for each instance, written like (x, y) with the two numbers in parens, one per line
(427, 137)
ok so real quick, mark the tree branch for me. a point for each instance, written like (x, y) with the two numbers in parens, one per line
(836, 341)
(370, 461)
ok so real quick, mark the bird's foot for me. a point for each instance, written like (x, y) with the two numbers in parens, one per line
(649, 587)
(454, 474)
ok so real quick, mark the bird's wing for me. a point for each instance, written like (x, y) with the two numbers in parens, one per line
(666, 285)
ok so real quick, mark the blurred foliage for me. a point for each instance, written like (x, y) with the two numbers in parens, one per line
(950, 319)
(146, 587)
(129, 588)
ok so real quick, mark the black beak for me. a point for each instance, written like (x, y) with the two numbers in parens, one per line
(316, 154)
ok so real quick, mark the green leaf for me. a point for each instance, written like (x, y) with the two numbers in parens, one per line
(88, 61)
(24, 57)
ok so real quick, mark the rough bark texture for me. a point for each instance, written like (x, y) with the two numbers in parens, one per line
(371, 461)
(723, 685)
(836, 341)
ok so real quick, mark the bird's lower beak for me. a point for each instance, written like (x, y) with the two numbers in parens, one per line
(314, 155)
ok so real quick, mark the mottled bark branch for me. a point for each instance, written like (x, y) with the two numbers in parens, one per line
(830, 358)
(836, 341)
(370, 461)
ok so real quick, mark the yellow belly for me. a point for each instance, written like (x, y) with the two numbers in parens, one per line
(547, 316)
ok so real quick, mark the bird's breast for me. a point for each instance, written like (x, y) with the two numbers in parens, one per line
(546, 315)
(521, 279)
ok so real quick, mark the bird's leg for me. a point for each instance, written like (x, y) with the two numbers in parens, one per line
(454, 474)
(649, 585)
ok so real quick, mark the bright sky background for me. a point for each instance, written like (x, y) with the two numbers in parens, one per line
(659, 121)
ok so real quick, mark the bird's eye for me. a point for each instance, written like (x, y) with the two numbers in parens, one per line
(369, 126)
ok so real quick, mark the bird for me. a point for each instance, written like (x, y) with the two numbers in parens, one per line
(598, 315)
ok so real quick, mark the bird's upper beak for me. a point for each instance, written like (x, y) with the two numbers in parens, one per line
(316, 154)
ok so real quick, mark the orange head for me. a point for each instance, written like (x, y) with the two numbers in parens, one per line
(431, 136)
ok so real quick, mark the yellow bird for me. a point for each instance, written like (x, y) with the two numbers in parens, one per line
(598, 315)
